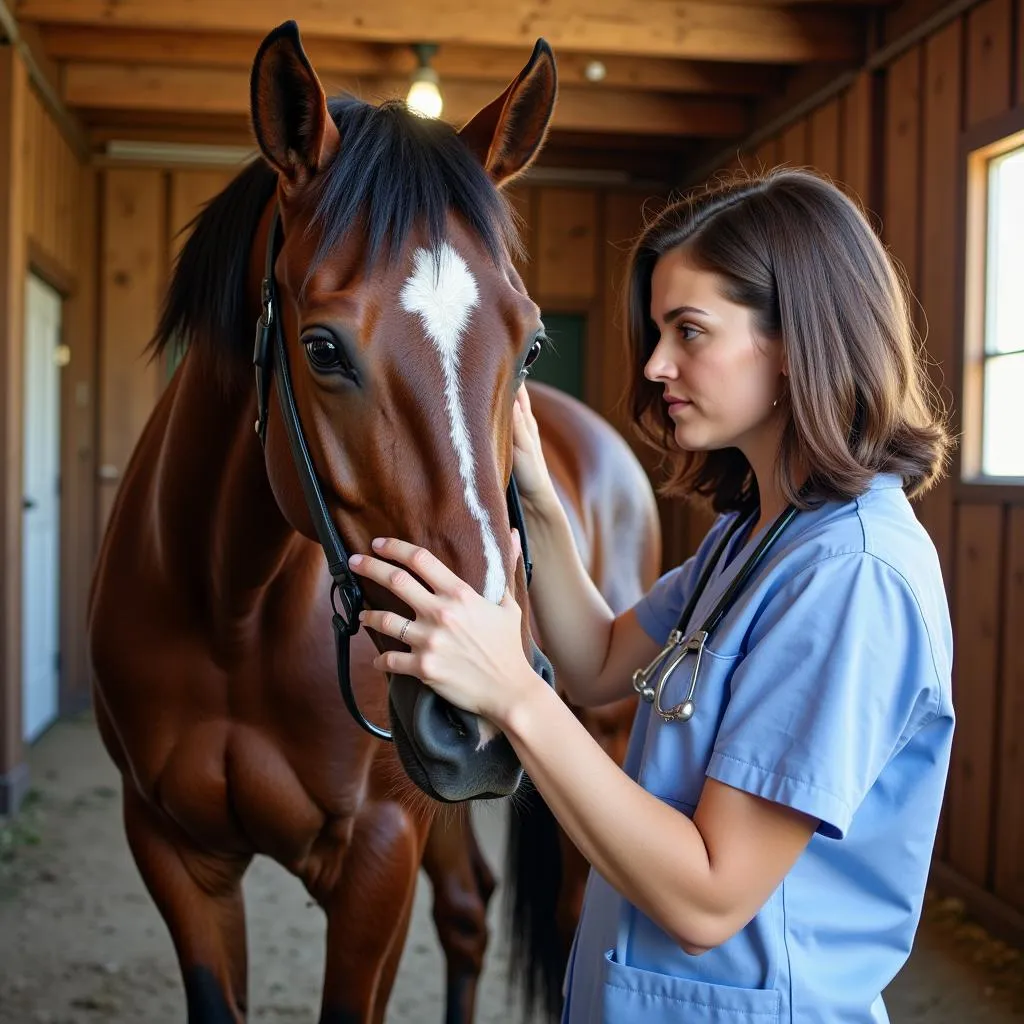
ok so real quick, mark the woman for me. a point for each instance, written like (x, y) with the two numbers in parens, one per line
(763, 855)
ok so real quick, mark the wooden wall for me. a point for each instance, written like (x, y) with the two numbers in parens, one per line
(47, 208)
(896, 139)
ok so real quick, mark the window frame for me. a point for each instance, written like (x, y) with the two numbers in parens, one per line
(979, 145)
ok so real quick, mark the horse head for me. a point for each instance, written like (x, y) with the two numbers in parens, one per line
(407, 333)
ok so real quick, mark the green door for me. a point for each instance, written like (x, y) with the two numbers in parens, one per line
(561, 363)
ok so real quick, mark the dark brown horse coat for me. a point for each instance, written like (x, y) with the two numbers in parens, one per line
(407, 333)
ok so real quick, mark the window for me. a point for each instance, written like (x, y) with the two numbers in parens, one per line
(1002, 428)
(993, 398)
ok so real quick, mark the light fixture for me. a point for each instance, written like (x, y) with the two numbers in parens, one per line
(595, 71)
(424, 96)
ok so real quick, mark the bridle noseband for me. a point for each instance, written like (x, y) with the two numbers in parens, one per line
(345, 587)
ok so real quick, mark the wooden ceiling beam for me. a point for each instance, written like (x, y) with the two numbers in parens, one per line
(632, 154)
(695, 29)
(453, 61)
(43, 74)
(226, 92)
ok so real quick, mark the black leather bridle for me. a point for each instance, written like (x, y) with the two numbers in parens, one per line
(345, 587)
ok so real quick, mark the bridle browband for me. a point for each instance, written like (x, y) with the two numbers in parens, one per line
(345, 587)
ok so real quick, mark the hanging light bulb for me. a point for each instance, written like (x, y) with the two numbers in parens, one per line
(424, 95)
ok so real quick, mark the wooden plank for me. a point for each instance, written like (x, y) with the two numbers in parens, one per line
(803, 90)
(793, 149)
(673, 514)
(522, 199)
(566, 241)
(190, 191)
(35, 121)
(857, 148)
(623, 222)
(71, 181)
(46, 173)
(452, 62)
(31, 159)
(976, 618)
(736, 164)
(1019, 57)
(97, 87)
(685, 29)
(938, 283)
(131, 283)
(1009, 852)
(766, 156)
(900, 213)
(51, 169)
(14, 92)
(1008, 877)
(989, 60)
(78, 451)
(899, 19)
(824, 139)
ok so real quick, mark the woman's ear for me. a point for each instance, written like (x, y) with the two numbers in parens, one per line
(508, 133)
(290, 120)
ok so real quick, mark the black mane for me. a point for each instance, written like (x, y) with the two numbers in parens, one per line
(394, 170)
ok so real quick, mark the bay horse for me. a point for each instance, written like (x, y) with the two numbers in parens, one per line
(403, 333)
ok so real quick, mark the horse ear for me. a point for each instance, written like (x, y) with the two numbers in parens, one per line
(290, 120)
(507, 134)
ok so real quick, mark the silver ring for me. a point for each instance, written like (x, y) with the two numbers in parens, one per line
(401, 636)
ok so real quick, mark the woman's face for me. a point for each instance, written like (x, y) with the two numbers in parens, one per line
(720, 377)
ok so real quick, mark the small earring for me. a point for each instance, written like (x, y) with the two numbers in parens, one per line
(775, 403)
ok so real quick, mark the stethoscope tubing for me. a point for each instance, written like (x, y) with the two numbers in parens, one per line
(679, 645)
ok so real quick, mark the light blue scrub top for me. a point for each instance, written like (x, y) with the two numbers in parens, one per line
(825, 688)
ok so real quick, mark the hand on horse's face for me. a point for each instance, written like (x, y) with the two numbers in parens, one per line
(536, 490)
(467, 649)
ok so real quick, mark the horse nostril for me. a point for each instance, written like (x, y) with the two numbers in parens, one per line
(455, 722)
(542, 666)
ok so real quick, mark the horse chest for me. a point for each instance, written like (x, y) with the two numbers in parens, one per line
(259, 754)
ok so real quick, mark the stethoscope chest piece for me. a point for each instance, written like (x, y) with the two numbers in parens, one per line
(661, 668)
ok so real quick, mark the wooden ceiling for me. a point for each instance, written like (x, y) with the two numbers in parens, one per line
(680, 75)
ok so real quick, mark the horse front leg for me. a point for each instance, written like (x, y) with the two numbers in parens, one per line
(463, 884)
(368, 908)
(199, 896)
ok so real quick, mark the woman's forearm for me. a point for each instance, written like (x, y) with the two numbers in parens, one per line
(700, 879)
(573, 619)
(648, 851)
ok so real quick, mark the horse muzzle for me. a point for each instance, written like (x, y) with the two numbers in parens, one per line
(451, 754)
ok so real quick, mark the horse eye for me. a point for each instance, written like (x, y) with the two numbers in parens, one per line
(535, 350)
(325, 354)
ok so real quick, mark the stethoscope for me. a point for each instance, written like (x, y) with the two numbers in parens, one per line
(679, 645)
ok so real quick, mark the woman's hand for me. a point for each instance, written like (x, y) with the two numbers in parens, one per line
(460, 644)
(531, 471)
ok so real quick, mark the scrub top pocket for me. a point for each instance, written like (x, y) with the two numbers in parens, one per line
(632, 994)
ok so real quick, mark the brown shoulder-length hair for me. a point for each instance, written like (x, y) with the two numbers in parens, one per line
(802, 257)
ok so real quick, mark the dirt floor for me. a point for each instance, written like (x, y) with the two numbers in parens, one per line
(80, 942)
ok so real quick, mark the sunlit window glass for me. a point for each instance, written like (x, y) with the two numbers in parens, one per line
(1003, 420)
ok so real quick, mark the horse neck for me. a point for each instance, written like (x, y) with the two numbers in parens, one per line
(213, 471)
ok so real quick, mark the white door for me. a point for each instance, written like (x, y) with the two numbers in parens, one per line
(41, 509)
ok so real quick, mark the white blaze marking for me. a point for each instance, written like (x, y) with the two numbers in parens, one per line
(443, 293)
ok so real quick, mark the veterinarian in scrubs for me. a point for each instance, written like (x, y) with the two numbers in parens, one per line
(762, 855)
